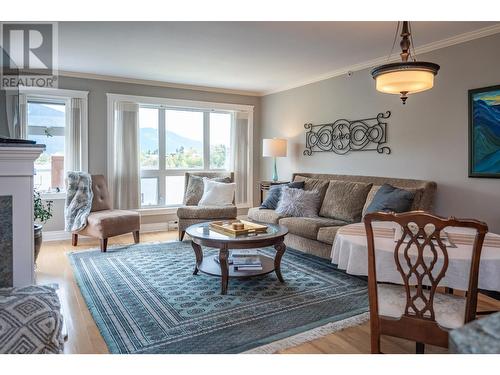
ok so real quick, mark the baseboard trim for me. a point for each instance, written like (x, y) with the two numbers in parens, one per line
(154, 227)
(61, 235)
(55, 235)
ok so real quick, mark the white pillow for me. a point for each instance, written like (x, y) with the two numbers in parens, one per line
(217, 193)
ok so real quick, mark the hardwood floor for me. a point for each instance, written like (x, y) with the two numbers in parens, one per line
(84, 337)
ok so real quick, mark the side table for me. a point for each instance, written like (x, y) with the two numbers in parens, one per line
(264, 186)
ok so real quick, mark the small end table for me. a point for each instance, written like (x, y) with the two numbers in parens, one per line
(266, 185)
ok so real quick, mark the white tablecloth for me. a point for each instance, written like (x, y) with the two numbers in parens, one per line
(349, 253)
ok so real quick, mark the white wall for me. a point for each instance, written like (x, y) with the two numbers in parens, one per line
(428, 136)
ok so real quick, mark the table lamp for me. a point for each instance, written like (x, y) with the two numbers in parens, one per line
(274, 147)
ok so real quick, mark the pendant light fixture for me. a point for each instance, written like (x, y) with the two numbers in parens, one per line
(405, 77)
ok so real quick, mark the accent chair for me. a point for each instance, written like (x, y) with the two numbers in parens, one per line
(104, 222)
(191, 213)
(416, 310)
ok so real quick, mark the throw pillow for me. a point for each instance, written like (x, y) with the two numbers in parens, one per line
(344, 200)
(217, 193)
(391, 199)
(369, 198)
(314, 184)
(194, 189)
(298, 202)
(274, 194)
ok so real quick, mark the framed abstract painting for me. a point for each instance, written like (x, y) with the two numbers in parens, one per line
(484, 132)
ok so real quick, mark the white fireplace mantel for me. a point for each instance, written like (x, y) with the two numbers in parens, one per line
(16, 180)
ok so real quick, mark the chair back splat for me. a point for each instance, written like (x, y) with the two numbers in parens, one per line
(421, 256)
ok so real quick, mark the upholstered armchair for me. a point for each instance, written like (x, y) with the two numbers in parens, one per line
(104, 222)
(190, 213)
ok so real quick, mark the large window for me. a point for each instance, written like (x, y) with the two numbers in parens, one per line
(56, 118)
(173, 141)
(46, 120)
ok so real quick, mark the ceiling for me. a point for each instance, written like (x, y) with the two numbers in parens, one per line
(259, 57)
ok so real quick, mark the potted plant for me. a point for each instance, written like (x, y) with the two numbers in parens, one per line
(42, 213)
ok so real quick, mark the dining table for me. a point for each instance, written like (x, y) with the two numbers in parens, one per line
(349, 253)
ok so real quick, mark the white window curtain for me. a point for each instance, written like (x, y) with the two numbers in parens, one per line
(23, 117)
(126, 179)
(239, 134)
(73, 135)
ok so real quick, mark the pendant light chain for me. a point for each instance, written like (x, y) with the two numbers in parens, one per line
(413, 55)
(394, 42)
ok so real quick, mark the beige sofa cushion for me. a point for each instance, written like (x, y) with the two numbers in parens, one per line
(207, 212)
(314, 184)
(344, 200)
(422, 201)
(109, 223)
(327, 234)
(308, 226)
(263, 215)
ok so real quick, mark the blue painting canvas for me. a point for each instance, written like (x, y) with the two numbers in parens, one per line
(484, 117)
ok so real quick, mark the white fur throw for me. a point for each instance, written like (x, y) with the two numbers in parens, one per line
(217, 193)
(298, 202)
(78, 201)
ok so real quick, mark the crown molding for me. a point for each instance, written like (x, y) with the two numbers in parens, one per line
(146, 82)
(461, 38)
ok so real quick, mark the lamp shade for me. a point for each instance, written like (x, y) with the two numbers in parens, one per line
(274, 147)
(409, 77)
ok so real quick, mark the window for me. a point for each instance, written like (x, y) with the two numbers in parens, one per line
(220, 140)
(184, 139)
(46, 123)
(176, 136)
(192, 139)
(56, 118)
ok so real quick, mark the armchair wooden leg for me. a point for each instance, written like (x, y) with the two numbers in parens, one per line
(136, 236)
(420, 348)
(104, 244)
(181, 235)
(74, 239)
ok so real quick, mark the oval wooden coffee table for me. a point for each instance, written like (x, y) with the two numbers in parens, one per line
(202, 235)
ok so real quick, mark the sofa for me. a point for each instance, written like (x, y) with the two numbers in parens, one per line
(190, 213)
(316, 235)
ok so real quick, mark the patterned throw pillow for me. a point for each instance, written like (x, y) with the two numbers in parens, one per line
(274, 194)
(298, 202)
(194, 190)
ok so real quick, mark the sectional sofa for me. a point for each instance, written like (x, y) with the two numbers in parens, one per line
(316, 235)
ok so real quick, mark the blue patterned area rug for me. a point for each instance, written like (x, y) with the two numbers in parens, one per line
(145, 299)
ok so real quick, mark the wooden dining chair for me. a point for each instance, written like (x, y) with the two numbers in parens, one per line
(415, 310)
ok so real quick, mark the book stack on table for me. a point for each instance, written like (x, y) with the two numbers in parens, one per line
(244, 260)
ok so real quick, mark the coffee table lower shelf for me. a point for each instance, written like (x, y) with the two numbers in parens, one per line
(210, 266)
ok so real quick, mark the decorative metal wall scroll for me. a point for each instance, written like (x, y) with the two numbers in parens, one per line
(342, 136)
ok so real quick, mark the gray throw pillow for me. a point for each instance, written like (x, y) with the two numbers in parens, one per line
(194, 190)
(298, 202)
(391, 199)
(274, 194)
